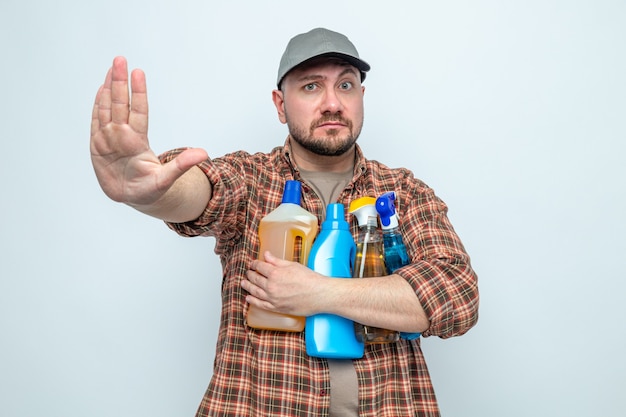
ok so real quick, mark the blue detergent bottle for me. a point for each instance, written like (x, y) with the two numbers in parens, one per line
(327, 335)
(395, 253)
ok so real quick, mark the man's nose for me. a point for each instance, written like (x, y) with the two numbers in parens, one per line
(331, 102)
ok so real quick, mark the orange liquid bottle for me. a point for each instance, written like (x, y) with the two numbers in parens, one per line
(287, 232)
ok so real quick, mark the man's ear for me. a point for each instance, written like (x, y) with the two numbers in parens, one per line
(279, 101)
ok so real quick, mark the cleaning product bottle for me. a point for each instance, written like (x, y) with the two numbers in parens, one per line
(369, 262)
(333, 252)
(287, 232)
(395, 253)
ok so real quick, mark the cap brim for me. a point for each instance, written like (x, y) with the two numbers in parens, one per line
(358, 63)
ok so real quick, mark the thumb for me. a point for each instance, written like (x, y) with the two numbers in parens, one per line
(183, 163)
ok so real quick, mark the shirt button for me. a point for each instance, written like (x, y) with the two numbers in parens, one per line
(322, 393)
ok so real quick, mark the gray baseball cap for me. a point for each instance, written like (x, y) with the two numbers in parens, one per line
(315, 43)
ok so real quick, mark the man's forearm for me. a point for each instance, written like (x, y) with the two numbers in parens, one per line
(184, 201)
(387, 302)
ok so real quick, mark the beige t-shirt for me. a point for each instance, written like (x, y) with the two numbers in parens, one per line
(344, 386)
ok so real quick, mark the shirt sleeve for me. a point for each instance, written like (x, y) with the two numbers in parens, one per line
(223, 216)
(440, 271)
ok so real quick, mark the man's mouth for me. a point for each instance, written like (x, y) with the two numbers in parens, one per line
(331, 124)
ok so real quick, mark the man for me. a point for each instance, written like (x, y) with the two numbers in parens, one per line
(319, 96)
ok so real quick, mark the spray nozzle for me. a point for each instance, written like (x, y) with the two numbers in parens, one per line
(364, 209)
(387, 210)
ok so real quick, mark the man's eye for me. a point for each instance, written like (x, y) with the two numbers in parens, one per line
(310, 87)
(346, 85)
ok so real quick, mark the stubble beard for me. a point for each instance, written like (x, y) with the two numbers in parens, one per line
(330, 145)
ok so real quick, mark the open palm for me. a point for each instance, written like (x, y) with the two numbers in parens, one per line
(127, 169)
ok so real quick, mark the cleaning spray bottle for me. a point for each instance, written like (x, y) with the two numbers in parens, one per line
(287, 232)
(369, 262)
(395, 252)
(333, 252)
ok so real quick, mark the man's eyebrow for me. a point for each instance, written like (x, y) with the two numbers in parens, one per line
(348, 70)
(311, 77)
(314, 77)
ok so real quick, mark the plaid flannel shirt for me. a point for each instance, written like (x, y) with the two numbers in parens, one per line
(265, 373)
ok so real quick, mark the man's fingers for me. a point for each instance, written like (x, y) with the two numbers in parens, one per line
(95, 122)
(113, 103)
(257, 280)
(267, 265)
(119, 91)
(138, 118)
(275, 260)
(254, 285)
(104, 101)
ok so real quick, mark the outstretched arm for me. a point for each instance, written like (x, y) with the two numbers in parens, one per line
(127, 169)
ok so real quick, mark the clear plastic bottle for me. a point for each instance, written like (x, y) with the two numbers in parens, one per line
(333, 252)
(287, 232)
(395, 253)
(369, 262)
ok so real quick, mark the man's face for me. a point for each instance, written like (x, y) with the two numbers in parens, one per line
(322, 105)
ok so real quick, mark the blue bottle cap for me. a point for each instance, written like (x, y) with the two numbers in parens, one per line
(335, 218)
(293, 192)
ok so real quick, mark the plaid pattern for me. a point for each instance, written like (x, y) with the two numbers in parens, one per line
(264, 373)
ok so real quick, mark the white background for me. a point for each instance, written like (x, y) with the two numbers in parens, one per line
(514, 112)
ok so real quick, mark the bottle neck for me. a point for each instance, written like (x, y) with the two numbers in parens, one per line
(368, 233)
(390, 230)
